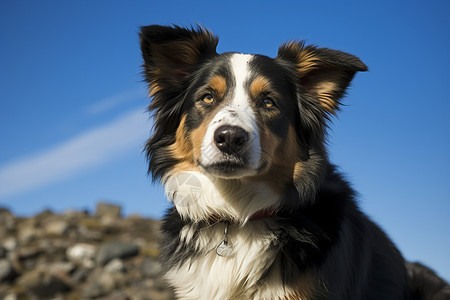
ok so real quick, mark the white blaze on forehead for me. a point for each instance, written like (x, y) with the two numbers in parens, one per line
(237, 112)
(241, 70)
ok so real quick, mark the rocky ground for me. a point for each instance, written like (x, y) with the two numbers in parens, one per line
(76, 255)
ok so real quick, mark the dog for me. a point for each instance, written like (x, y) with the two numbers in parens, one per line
(258, 211)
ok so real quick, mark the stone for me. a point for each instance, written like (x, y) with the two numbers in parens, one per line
(89, 234)
(53, 256)
(149, 290)
(74, 214)
(82, 254)
(3, 252)
(56, 227)
(28, 232)
(11, 297)
(28, 252)
(7, 222)
(116, 295)
(116, 249)
(101, 283)
(43, 284)
(43, 215)
(10, 244)
(151, 267)
(62, 267)
(7, 271)
(115, 265)
(79, 275)
(108, 210)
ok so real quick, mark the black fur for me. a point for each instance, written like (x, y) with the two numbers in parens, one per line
(171, 71)
(320, 228)
(425, 284)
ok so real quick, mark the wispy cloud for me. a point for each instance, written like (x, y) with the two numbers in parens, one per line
(90, 149)
(114, 101)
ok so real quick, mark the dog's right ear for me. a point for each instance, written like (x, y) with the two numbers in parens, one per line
(171, 53)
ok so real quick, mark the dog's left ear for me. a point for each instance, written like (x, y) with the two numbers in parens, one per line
(322, 73)
(172, 53)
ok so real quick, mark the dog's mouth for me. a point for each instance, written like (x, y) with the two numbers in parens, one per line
(231, 167)
(226, 167)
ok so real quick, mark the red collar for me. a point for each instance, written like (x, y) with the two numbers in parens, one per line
(264, 213)
(260, 214)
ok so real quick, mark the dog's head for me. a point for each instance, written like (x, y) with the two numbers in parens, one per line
(236, 116)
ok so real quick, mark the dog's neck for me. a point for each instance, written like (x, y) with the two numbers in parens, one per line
(199, 197)
(260, 214)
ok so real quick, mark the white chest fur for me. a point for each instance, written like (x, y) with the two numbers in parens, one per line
(206, 275)
(238, 276)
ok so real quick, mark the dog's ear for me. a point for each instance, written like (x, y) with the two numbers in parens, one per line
(171, 53)
(322, 73)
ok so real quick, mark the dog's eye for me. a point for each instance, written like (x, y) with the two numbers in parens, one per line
(268, 103)
(208, 98)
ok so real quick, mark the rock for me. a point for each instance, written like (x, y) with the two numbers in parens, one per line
(43, 215)
(108, 210)
(10, 244)
(116, 295)
(101, 283)
(74, 214)
(111, 250)
(115, 265)
(7, 222)
(7, 271)
(89, 234)
(28, 231)
(93, 289)
(3, 252)
(53, 256)
(28, 252)
(56, 227)
(82, 254)
(79, 275)
(149, 290)
(151, 267)
(44, 284)
(63, 267)
(11, 297)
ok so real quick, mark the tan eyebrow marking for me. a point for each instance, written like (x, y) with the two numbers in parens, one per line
(259, 86)
(219, 84)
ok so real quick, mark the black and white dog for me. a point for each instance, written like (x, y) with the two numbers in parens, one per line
(259, 211)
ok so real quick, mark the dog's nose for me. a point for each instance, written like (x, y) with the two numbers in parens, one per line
(230, 139)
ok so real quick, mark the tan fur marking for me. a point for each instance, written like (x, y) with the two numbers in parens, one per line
(182, 150)
(282, 157)
(323, 86)
(298, 168)
(259, 86)
(326, 90)
(219, 84)
(198, 134)
(153, 89)
(197, 138)
(307, 61)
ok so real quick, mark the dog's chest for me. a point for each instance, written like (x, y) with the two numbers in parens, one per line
(250, 272)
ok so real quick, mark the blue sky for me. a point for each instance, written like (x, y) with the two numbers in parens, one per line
(72, 106)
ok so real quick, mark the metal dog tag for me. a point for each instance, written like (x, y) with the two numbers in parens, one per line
(224, 249)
